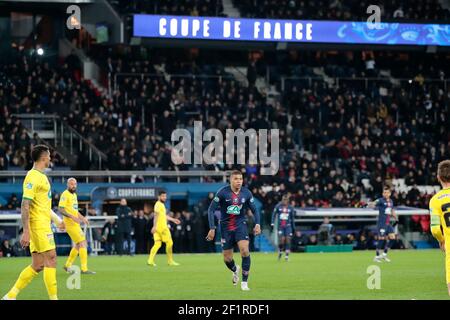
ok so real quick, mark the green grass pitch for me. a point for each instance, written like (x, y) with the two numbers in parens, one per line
(412, 274)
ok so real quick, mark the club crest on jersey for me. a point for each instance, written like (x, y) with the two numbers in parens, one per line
(242, 200)
(234, 209)
(29, 186)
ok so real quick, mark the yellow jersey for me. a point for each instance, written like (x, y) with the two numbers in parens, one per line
(440, 214)
(36, 188)
(161, 222)
(69, 201)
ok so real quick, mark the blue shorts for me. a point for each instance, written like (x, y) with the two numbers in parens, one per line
(385, 230)
(230, 238)
(285, 231)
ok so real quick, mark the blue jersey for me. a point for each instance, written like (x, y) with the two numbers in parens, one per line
(385, 210)
(285, 215)
(233, 207)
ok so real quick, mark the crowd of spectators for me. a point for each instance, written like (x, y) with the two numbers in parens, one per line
(347, 10)
(396, 10)
(205, 8)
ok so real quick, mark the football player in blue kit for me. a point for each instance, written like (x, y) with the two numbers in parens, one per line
(286, 227)
(233, 201)
(385, 230)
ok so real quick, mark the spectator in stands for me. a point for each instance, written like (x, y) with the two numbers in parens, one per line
(13, 203)
(325, 232)
(177, 233)
(299, 241)
(139, 226)
(6, 249)
(188, 231)
(124, 226)
(338, 239)
(361, 243)
(312, 240)
(109, 236)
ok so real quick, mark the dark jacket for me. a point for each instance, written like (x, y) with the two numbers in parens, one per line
(124, 221)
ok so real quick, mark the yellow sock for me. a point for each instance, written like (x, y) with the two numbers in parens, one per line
(169, 253)
(83, 258)
(72, 256)
(25, 277)
(50, 283)
(155, 248)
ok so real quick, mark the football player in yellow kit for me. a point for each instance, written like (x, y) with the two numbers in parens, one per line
(161, 232)
(37, 233)
(68, 207)
(440, 214)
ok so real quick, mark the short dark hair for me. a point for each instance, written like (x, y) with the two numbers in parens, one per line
(386, 188)
(161, 192)
(443, 171)
(236, 173)
(37, 151)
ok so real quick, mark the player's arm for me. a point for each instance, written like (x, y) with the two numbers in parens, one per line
(435, 221)
(251, 204)
(372, 204)
(63, 211)
(29, 190)
(211, 209)
(25, 213)
(57, 220)
(176, 221)
(155, 219)
(274, 214)
(62, 205)
(83, 218)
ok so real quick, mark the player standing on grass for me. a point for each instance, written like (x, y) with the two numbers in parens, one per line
(161, 232)
(285, 213)
(233, 201)
(37, 233)
(385, 207)
(68, 207)
(440, 214)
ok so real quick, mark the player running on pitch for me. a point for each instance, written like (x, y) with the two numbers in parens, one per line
(233, 201)
(385, 207)
(285, 213)
(440, 215)
(37, 214)
(68, 207)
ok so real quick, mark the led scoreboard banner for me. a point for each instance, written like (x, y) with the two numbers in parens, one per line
(305, 31)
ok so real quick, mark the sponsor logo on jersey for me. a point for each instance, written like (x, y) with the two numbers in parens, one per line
(234, 209)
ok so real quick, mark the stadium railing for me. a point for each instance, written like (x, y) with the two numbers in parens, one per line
(108, 176)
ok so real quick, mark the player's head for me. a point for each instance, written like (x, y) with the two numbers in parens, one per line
(443, 172)
(285, 199)
(123, 202)
(41, 154)
(72, 185)
(236, 179)
(162, 196)
(386, 192)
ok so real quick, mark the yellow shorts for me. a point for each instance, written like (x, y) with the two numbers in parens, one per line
(41, 240)
(76, 234)
(163, 235)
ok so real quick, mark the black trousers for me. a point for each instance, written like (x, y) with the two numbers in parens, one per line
(121, 236)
